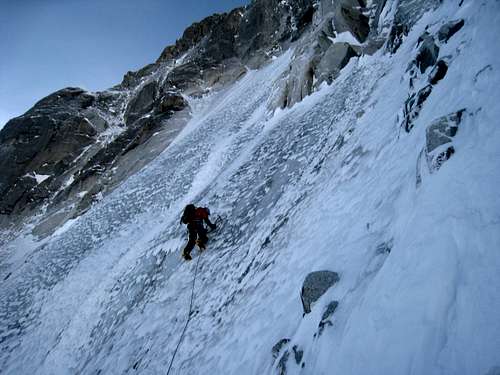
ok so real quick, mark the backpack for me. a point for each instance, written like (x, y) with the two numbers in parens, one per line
(188, 213)
(202, 213)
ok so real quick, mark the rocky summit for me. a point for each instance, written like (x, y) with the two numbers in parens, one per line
(75, 141)
(349, 151)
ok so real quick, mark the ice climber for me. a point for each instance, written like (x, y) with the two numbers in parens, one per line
(194, 218)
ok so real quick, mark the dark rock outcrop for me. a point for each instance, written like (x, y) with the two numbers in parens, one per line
(132, 79)
(150, 101)
(142, 102)
(398, 31)
(449, 29)
(278, 347)
(384, 247)
(427, 53)
(407, 13)
(298, 354)
(283, 362)
(267, 23)
(350, 17)
(327, 314)
(315, 285)
(171, 101)
(413, 105)
(438, 72)
(335, 58)
(439, 139)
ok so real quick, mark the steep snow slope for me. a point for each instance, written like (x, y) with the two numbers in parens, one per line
(329, 184)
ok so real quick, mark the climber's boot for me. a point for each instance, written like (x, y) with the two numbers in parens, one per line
(186, 256)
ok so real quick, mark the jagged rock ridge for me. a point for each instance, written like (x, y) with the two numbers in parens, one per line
(99, 129)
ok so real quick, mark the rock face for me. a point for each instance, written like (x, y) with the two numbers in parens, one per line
(39, 146)
(267, 23)
(315, 285)
(406, 14)
(320, 57)
(142, 102)
(216, 33)
(62, 140)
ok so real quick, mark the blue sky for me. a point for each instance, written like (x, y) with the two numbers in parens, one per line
(46, 45)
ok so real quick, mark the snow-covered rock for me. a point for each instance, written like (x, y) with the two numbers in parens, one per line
(315, 285)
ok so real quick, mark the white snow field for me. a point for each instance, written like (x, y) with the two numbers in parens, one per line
(330, 184)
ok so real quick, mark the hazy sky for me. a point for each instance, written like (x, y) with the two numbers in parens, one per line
(46, 45)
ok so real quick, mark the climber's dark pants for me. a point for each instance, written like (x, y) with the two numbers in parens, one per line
(196, 232)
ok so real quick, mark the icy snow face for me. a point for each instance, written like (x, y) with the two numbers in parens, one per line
(329, 184)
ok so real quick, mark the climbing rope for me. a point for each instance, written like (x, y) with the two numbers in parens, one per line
(189, 315)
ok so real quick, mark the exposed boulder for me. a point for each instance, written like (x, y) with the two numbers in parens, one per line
(439, 138)
(438, 72)
(335, 58)
(449, 29)
(315, 285)
(427, 53)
